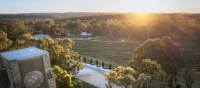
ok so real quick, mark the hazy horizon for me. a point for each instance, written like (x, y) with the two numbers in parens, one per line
(101, 12)
(125, 6)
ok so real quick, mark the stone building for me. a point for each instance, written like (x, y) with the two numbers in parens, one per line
(28, 68)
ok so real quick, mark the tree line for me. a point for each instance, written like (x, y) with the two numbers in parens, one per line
(180, 27)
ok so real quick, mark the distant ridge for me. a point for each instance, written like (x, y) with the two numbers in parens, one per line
(50, 15)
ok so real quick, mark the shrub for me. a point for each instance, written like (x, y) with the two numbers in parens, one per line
(110, 66)
(91, 61)
(84, 59)
(63, 79)
(97, 62)
(102, 64)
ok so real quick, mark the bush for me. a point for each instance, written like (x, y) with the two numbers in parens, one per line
(97, 62)
(63, 79)
(102, 64)
(110, 66)
(91, 61)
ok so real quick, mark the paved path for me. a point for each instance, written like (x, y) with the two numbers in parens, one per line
(93, 75)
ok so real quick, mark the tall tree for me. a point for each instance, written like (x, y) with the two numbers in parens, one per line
(165, 51)
(162, 50)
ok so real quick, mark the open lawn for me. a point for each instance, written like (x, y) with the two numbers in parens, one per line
(114, 52)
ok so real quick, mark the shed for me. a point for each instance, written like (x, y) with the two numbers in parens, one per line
(86, 34)
(40, 35)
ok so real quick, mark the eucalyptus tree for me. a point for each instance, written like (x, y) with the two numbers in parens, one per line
(165, 51)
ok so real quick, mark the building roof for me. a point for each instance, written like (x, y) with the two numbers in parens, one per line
(21, 53)
(40, 35)
(85, 34)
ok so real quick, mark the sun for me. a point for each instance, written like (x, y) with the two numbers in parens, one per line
(140, 19)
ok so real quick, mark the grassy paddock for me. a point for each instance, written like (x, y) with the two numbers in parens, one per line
(116, 53)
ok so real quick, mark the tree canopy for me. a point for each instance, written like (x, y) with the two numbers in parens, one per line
(163, 50)
(148, 74)
(5, 43)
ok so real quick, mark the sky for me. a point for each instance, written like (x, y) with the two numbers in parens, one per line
(60, 6)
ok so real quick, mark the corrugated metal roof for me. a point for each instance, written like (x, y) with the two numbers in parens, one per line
(21, 53)
(40, 35)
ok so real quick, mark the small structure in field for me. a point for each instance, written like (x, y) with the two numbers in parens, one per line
(40, 35)
(86, 35)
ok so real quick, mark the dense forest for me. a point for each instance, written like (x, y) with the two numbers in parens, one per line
(181, 27)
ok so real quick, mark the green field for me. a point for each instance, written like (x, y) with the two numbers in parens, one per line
(114, 52)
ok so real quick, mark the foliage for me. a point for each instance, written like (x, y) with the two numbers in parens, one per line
(122, 76)
(165, 51)
(97, 63)
(64, 57)
(67, 43)
(110, 66)
(148, 74)
(24, 41)
(162, 50)
(84, 59)
(14, 29)
(190, 75)
(151, 74)
(102, 64)
(181, 27)
(63, 79)
(149, 66)
(66, 80)
(5, 43)
(91, 61)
